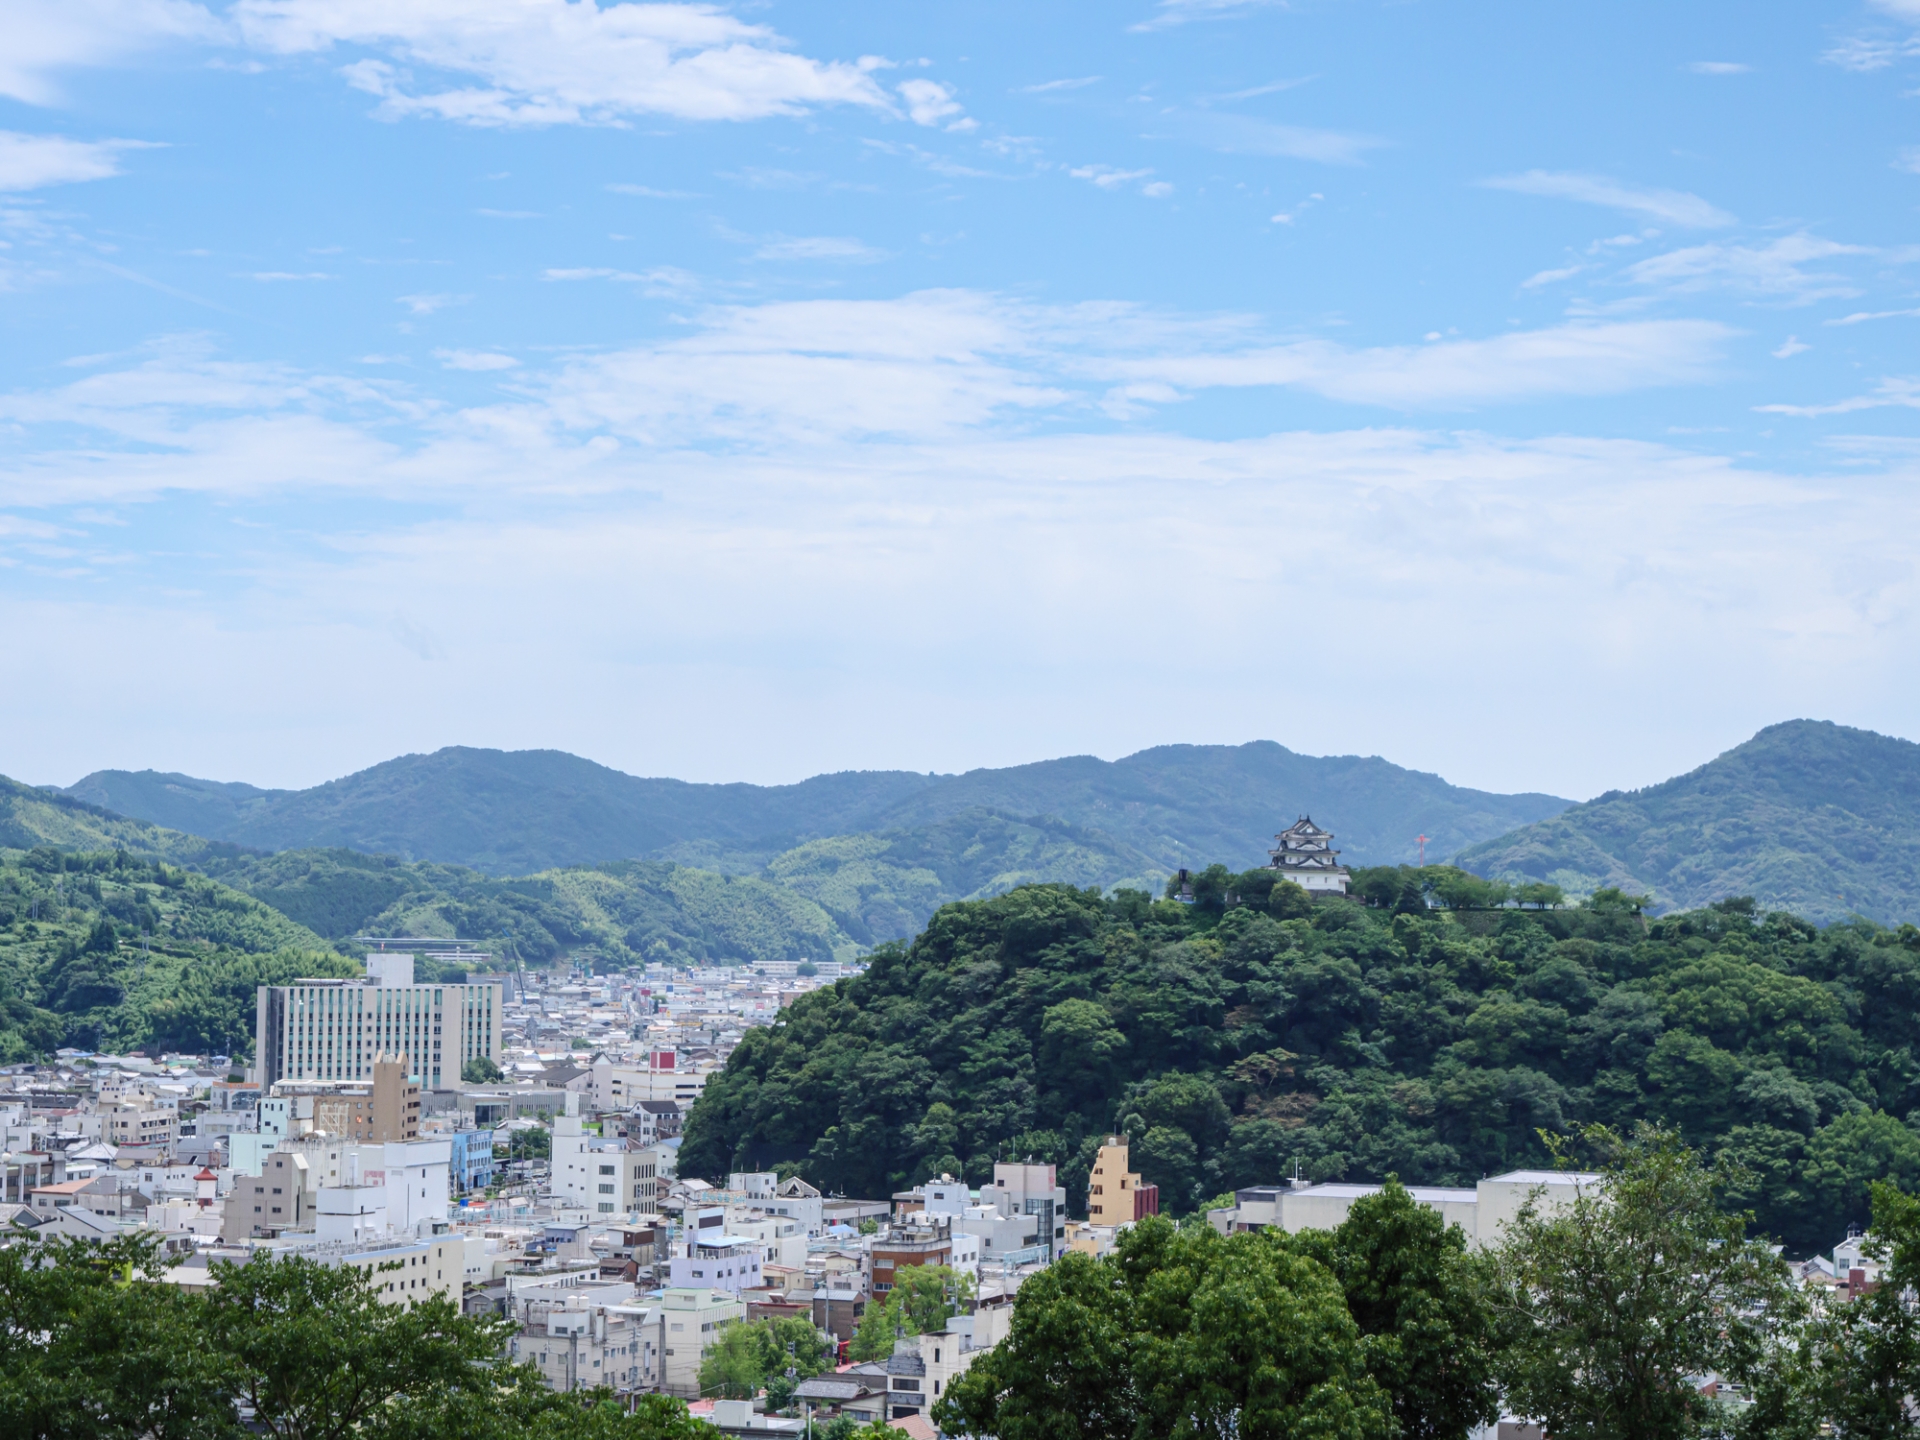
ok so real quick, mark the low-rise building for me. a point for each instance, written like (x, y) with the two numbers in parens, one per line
(690, 1319)
(1482, 1212)
(1115, 1195)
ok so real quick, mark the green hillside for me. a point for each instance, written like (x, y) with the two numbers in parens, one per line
(1806, 816)
(104, 950)
(30, 816)
(1353, 1041)
(520, 812)
(886, 885)
(625, 912)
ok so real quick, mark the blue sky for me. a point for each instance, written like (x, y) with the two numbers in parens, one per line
(1526, 393)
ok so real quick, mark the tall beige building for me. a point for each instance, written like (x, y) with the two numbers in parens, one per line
(337, 1029)
(1115, 1195)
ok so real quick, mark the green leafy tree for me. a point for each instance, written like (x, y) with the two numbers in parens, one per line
(1611, 1303)
(1178, 1334)
(1861, 1367)
(480, 1070)
(89, 1350)
(750, 1355)
(317, 1355)
(1420, 1302)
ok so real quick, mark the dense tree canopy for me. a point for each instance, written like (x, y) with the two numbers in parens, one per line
(1416, 1033)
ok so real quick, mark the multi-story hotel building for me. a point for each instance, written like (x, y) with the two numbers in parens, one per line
(336, 1029)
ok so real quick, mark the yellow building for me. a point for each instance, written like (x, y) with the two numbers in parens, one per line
(1115, 1195)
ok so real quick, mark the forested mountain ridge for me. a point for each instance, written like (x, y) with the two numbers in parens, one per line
(1356, 1041)
(1817, 818)
(107, 950)
(521, 812)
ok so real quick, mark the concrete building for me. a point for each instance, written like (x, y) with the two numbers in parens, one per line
(470, 1158)
(923, 1366)
(689, 1318)
(1032, 1190)
(1482, 1212)
(716, 1260)
(927, 1240)
(585, 1335)
(384, 1107)
(336, 1029)
(603, 1177)
(265, 1204)
(1115, 1195)
(139, 1122)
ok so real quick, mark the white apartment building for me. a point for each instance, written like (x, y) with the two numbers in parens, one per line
(582, 1336)
(690, 1317)
(334, 1029)
(603, 1177)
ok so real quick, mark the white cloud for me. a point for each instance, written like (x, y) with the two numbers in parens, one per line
(818, 247)
(1158, 190)
(1908, 160)
(1898, 391)
(1719, 67)
(1182, 12)
(272, 276)
(1674, 207)
(1108, 177)
(1793, 345)
(928, 101)
(1867, 53)
(1550, 277)
(1046, 87)
(44, 37)
(544, 62)
(1773, 271)
(1245, 135)
(27, 162)
(1862, 315)
(475, 360)
(1526, 365)
(427, 304)
(621, 188)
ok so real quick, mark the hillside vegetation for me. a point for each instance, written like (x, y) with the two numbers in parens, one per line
(1806, 816)
(521, 812)
(1234, 1042)
(623, 913)
(107, 951)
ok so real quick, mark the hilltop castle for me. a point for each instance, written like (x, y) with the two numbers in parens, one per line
(1304, 854)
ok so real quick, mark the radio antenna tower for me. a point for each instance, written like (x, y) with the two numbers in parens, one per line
(1423, 851)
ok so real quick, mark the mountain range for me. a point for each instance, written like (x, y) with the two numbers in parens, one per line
(1808, 816)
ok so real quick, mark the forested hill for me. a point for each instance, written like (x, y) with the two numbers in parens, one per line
(525, 811)
(1806, 816)
(1354, 1041)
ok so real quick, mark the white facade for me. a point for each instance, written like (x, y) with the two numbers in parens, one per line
(333, 1029)
(1482, 1212)
(717, 1262)
(690, 1318)
(603, 1177)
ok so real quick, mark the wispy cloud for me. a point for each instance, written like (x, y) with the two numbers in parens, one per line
(1183, 12)
(1719, 67)
(1793, 345)
(279, 275)
(1047, 87)
(548, 62)
(475, 360)
(819, 247)
(931, 103)
(1108, 177)
(620, 187)
(45, 37)
(1776, 271)
(28, 162)
(1897, 391)
(661, 280)
(1246, 135)
(1860, 316)
(427, 304)
(1673, 207)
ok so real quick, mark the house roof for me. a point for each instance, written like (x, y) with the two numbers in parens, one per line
(831, 1390)
(65, 1187)
(918, 1427)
